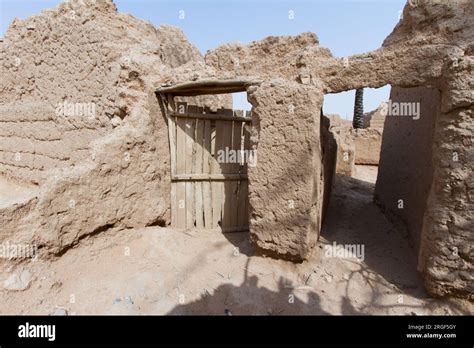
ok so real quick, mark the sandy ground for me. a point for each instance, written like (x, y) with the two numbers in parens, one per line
(161, 271)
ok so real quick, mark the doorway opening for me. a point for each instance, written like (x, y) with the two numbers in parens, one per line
(210, 154)
(357, 121)
(383, 179)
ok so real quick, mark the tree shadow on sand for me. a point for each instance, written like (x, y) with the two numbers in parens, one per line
(390, 262)
(250, 299)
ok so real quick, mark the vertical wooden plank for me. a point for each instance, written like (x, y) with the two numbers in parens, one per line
(215, 168)
(190, 134)
(174, 204)
(236, 143)
(243, 218)
(172, 133)
(227, 203)
(206, 168)
(243, 215)
(198, 169)
(217, 187)
(227, 140)
(235, 191)
(246, 147)
(168, 103)
(180, 169)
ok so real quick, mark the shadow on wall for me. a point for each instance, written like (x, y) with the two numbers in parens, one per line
(406, 160)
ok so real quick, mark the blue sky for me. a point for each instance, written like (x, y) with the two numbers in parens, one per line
(346, 27)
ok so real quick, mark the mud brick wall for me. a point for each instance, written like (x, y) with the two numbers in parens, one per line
(35, 139)
(406, 169)
(84, 52)
(46, 60)
(367, 145)
(286, 186)
(80, 52)
(447, 247)
(329, 153)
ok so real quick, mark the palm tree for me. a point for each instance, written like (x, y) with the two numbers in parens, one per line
(358, 120)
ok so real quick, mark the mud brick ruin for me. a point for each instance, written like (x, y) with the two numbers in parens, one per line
(110, 166)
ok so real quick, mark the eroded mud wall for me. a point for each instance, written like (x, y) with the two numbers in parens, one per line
(447, 246)
(100, 167)
(286, 186)
(406, 169)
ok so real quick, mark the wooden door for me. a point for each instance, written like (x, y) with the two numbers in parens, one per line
(209, 154)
